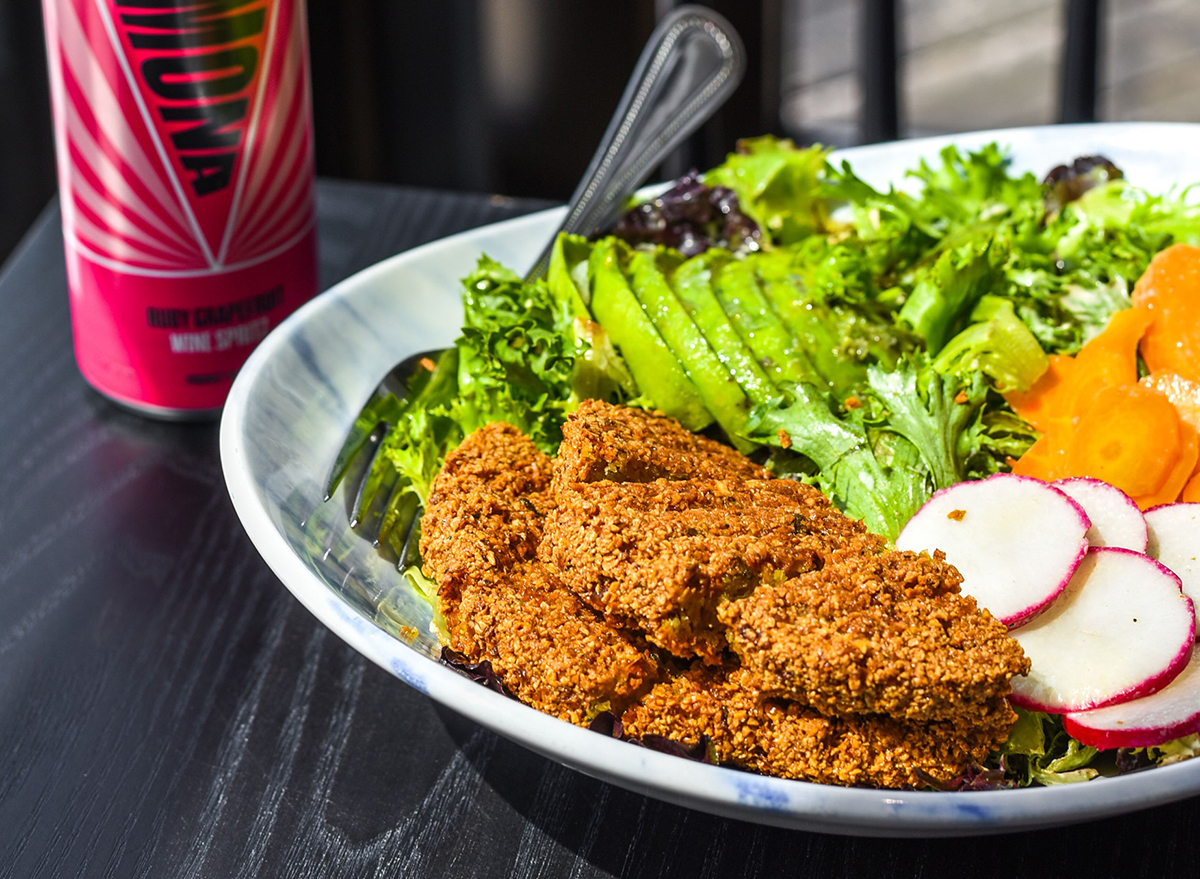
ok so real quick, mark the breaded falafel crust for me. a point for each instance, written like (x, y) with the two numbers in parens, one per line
(624, 444)
(552, 651)
(794, 741)
(560, 582)
(485, 508)
(884, 633)
(478, 540)
(662, 555)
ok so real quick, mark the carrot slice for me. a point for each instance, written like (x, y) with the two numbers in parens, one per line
(1064, 391)
(1044, 403)
(1130, 437)
(1191, 491)
(1046, 459)
(1098, 420)
(1110, 359)
(1169, 290)
(1180, 475)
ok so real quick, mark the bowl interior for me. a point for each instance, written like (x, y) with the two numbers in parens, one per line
(293, 402)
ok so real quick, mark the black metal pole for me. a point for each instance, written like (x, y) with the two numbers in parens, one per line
(877, 71)
(1080, 61)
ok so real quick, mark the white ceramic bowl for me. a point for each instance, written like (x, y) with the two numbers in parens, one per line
(296, 396)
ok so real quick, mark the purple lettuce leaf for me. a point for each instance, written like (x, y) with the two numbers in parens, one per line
(479, 672)
(691, 217)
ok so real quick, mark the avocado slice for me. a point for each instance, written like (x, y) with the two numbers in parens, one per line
(660, 377)
(692, 282)
(599, 372)
(567, 274)
(839, 341)
(741, 298)
(722, 395)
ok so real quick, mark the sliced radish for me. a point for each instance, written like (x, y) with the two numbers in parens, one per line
(1116, 519)
(1175, 541)
(1015, 540)
(1121, 630)
(1172, 712)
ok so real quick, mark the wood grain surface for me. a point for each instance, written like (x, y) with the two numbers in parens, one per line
(168, 710)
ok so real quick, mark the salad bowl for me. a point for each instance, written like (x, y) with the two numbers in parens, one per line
(292, 403)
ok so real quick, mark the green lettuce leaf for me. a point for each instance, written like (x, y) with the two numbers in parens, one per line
(912, 431)
(882, 484)
(1174, 751)
(938, 414)
(776, 186)
(1038, 750)
(973, 190)
(998, 345)
(945, 295)
(528, 354)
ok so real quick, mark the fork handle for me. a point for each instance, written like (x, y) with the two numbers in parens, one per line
(691, 64)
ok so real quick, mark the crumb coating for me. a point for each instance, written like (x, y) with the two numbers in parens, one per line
(663, 555)
(478, 541)
(885, 633)
(660, 575)
(624, 444)
(781, 738)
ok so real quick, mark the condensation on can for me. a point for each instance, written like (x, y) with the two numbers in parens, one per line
(185, 166)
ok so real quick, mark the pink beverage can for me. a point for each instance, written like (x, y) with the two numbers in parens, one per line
(183, 131)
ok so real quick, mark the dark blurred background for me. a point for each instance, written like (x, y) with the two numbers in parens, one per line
(511, 96)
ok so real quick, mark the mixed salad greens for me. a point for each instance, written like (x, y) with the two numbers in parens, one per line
(857, 339)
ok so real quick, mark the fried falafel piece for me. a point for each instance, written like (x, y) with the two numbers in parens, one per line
(552, 651)
(626, 444)
(485, 507)
(479, 536)
(885, 633)
(784, 739)
(661, 556)
(495, 507)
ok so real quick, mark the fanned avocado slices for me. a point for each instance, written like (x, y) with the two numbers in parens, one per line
(738, 291)
(660, 377)
(838, 341)
(692, 282)
(719, 390)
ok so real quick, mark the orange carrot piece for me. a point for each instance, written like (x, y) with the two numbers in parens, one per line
(1110, 359)
(1043, 404)
(1191, 491)
(1180, 475)
(1131, 437)
(1183, 394)
(1065, 390)
(1169, 290)
(1046, 459)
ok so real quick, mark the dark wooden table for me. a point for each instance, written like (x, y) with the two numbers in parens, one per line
(168, 710)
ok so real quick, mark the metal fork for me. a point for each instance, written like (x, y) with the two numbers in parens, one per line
(691, 64)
